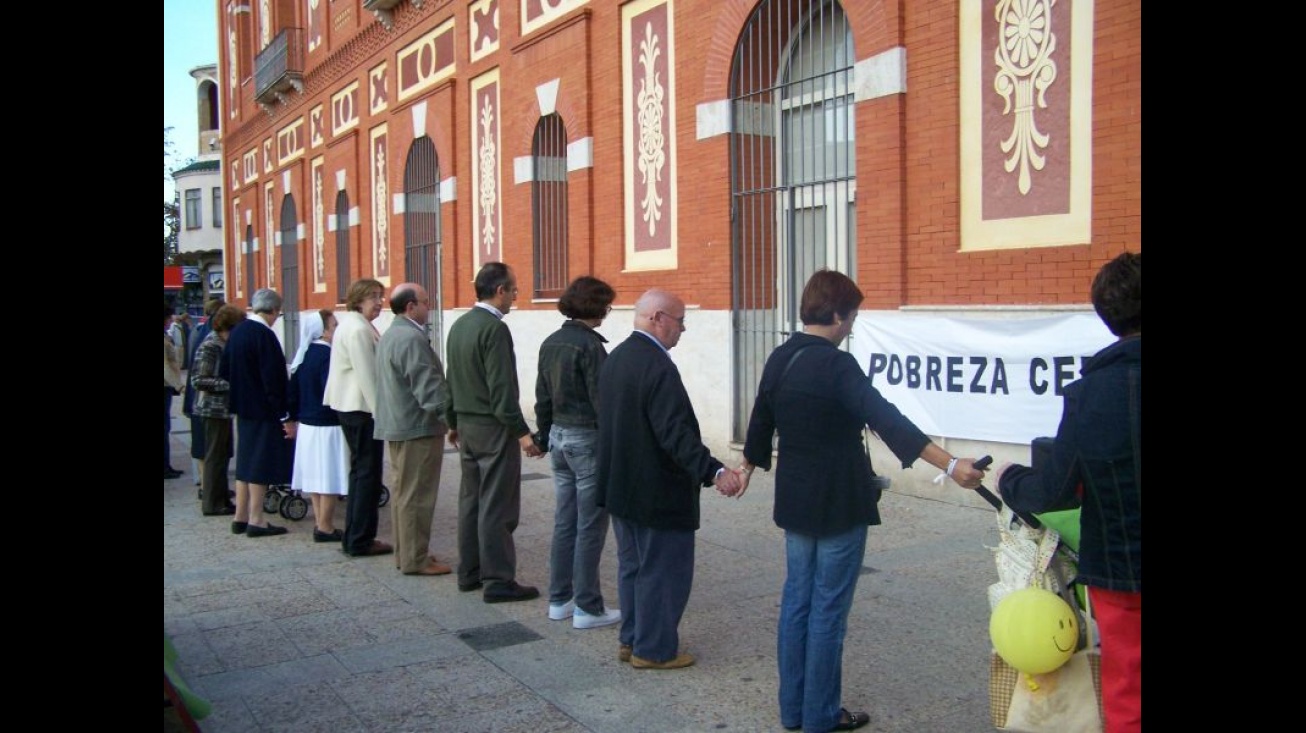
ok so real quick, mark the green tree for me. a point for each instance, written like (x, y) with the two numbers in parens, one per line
(171, 209)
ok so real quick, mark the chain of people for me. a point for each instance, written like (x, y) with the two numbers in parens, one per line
(620, 432)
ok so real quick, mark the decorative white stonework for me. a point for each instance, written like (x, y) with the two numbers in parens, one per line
(274, 236)
(418, 111)
(883, 74)
(712, 119)
(489, 191)
(382, 219)
(547, 96)
(320, 224)
(652, 146)
(580, 154)
(1025, 71)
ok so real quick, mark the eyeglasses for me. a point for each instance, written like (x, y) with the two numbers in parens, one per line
(680, 320)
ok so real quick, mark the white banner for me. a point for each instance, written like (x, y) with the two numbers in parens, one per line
(979, 379)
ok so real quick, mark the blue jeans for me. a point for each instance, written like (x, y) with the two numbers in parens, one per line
(580, 525)
(821, 576)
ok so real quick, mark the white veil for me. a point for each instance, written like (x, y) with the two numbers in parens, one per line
(310, 330)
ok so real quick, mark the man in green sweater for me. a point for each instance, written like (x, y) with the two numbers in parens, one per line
(487, 427)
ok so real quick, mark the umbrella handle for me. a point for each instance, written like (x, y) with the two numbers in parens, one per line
(992, 499)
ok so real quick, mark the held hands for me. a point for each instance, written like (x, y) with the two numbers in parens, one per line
(290, 427)
(528, 446)
(453, 438)
(731, 482)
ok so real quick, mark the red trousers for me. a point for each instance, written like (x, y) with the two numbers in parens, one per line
(1119, 617)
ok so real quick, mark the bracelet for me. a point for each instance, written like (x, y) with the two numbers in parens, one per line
(951, 465)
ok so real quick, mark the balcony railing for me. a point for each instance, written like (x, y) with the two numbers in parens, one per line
(280, 67)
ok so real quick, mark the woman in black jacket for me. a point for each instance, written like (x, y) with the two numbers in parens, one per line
(817, 398)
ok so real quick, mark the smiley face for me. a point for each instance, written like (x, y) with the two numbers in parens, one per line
(1034, 630)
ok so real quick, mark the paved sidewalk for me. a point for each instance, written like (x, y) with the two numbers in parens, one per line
(282, 634)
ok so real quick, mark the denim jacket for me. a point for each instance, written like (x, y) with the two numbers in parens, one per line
(567, 389)
(1097, 464)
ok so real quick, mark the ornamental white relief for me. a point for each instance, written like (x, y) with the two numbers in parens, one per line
(489, 195)
(271, 260)
(1025, 71)
(264, 23)
(652, 144)
(232, 64)
(382, 222)
(319, 217)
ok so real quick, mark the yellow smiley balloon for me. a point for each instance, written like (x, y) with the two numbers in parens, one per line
(1034, 630)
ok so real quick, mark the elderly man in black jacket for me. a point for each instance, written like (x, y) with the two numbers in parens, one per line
(652, 465)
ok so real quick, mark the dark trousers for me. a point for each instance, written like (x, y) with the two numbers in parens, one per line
(364, 480)
(167, 429)
(489, 503)
(217, 457)
(655, 571)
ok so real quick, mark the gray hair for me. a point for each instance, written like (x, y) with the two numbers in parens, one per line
(265, 300)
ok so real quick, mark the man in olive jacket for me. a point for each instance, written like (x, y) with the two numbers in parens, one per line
(487, 427)
(411, 397)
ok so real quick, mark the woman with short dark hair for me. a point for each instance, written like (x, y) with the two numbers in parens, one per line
(818, 399)
(566, 410)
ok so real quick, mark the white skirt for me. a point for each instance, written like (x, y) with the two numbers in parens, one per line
(321, 460)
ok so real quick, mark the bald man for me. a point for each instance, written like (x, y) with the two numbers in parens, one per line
(652, 467)
(411, 397)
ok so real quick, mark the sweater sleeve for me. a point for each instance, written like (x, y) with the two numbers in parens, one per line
(501, 376)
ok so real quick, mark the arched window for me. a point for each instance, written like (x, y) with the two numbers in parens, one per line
(342, 246)
(792, 174)
(290, 275)
(422, 248)
(549, 206)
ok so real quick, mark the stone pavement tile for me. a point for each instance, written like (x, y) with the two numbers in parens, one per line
(310, 707)
(324, 631)
(288, 601)
(462, 677)
(223, 687)
(381, 694)
(251, 645)
(194, 657)
(519, 711)
(384, 655)
(320, 668)
(230, 716)
(360, 593)
(228, 617)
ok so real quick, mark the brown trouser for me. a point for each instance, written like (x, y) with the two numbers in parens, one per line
(416, 464)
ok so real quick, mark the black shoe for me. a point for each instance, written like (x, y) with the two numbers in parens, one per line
(332, 536)
(221, 512)
(511, 591)
(851, 720)
(239, 527)
(267, 531)
(469, 587)
(171, 473)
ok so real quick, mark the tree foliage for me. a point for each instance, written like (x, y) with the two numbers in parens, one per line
(171, 209)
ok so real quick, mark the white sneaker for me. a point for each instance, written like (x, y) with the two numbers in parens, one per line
(582, 620)
(561, 611)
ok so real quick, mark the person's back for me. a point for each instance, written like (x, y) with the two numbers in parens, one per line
(482, 366)
(351, 382)
(250, 364)
(652, 486)
(1096, 462)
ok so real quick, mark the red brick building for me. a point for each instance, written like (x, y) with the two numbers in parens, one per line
(969, 157)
